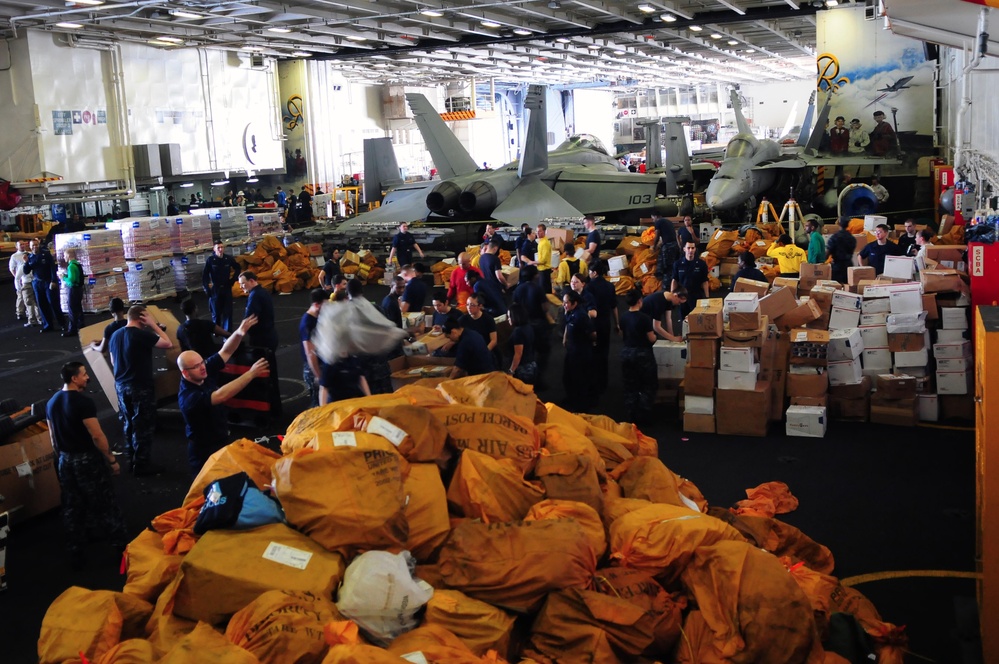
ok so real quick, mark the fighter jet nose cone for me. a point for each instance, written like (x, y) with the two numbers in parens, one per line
(714, 201)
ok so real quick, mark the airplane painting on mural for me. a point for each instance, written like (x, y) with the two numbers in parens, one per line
(578, 177)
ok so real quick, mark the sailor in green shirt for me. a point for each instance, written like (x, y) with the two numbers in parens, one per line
(816, 245)
(73, 280)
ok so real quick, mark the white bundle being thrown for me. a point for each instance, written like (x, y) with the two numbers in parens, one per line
(354, 327)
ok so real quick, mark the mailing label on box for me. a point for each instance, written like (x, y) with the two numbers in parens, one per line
(801, 337)
(23, 469)
(195, 223)
(416, 657)
(286, 555)
(200, 260)
(110, 281)
(761, 243)
(382, 427)
(645, 268)
(344, 439)
(153, 224)
(636, 243)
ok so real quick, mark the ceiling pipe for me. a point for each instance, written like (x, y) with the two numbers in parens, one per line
(979, 45)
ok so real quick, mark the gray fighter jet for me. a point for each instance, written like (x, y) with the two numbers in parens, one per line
(579, 177)
(751, 165)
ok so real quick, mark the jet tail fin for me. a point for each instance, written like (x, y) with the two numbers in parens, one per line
(740, 119)
(449, 155)
(806, 124)
(381, 170)
(535, 157)
(820, 126)
(677, 156)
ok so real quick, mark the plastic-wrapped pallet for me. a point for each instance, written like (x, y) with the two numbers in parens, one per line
(144, 237)
(228, 224)
(98, 251)
(97, 292)
(187, 270)
(149, 280)
(189, 233)
(263, 223)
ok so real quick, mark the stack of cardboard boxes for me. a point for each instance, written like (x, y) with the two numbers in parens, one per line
(742, 398)
(705, 328)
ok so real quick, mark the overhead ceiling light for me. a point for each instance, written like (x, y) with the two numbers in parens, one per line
(433, 13)
(357, 38)
(252, 180)
(563, 40)
(69, 26)
(490, 24)
(695, 28)
(749, 50)
(180, 13)
(172, 40)
(301, 54)
(619, 52)
(832, 3)
(715, 35)
(522, 31)
(668, 18)
(732, 42)
(554, 5)
(217, 183)
(594, 47)
(281, 30)
(161, 42)
(157, 187)
(87, 2)
(185, 185)
(646, 9)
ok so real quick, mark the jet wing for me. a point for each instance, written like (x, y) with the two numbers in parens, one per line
(803, 161)
(531, 201)
(405, 203)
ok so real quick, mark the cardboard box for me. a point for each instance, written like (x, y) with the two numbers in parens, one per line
(728, 267)
(846, 300)
(902, 343)
(799, 316)
(953, 253)
(954, 318)
(696, 405)
(829, 283)
(899, 267)
(744, 285)
(411, 368)
(778, 303)
(896, 386)
(951, 336)
(929, 407)
(859, 390)
(900, 412)
(840, 319)
(671, 358)
(912, 358)
(739, 321)
(746, 338)
(698, 423)
(941, 280)
(743, 412)
(809, 347)
(952, 349)
(807, 421)
(954, 382)
(872, 221)
(822, 402)
(698, 381)
(877, 358)
(849, 410)
(787, 282)
(854, 275)
(738, 359)
(955, 364)
(810, 384)
(738, 380)
(706, 318)
(28, 481)
(875, 305)
(845, 344)
(774, 358)
(702, 353)
(930, 306)
(862, 239)
(874, 336)
(873, 319)
(906, 301)
(845, 372)
(815, 271)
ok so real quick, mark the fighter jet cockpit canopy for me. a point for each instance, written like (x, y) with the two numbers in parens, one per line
(739, 147)
(584, 141)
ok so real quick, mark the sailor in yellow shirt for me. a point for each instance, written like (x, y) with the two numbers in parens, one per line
(568, 265)
(789, 256)
(544, 261)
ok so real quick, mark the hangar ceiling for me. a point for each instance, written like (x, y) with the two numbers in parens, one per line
(418, 42)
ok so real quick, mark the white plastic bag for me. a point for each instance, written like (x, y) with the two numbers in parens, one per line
(355, 327)
(380, 594)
